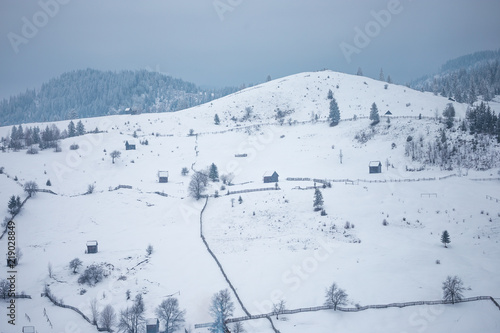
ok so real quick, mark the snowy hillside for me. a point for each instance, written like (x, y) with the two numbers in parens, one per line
(272, 244)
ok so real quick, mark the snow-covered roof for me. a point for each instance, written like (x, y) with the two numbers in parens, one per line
(92, 243)
(162, 173)
(151, 321)
(269, 173)
(375, 163)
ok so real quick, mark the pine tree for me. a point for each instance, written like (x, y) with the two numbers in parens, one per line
(216, 119)
(71, 129)
(330, 94)
(214, 173)
(12, 205)
(318, 200)
(445, 238)
(80, 129)
(334, 115)
(449, 114)
(374, 116)
(381, 76)
(360, 72)
(389, 80)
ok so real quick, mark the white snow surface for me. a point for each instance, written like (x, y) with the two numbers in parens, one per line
(273, 245)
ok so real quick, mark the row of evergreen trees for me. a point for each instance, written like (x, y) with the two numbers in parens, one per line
(20, 137)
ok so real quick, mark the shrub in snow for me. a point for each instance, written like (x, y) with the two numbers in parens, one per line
(347, 225)
(385, 223)
(92, 275)
(74, 146)
(149, 249)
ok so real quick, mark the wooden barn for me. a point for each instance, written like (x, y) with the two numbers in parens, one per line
(163, 176)
(129, 145)
(152, 325)
(92, 246)
(375, 167)
(271, 177)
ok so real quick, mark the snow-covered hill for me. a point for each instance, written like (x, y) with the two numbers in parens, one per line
(272, 245)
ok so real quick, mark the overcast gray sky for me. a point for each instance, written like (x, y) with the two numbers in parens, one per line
(230, 42)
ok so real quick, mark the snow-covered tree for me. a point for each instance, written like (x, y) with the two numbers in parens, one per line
(374, 116)
(30, 188)
(335, 296)
(216, 119)
(452, 289)
(221, 308)
(449, 115)
(197, 185)
(114, 155)
(381, 75)
(80, 128)
(330, 94)
(334, 115)
(445, 238)
(318, 200)
(213, 173)
(170, 314)
(107, 318)
(71, 129)
(74, 264)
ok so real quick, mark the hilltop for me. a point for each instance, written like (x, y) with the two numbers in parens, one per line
(272, 244)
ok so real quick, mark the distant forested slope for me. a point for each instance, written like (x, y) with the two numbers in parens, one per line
(465, 78)
(90, 93)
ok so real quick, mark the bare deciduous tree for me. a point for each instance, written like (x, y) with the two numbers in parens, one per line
(31, 188)
(198, 185)
(278, 308)
(335, 296)
(168, 311)
(114, 154)
(452, 289)
(108, 317)
(94, 310)
(74, 264)
(221, 308)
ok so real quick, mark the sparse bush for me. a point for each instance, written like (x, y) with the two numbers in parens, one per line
(90, 188)
(149, 249)
(92, 275)
(184, 171)
(347, 225)
(32, 151)
(48, 183)
(385, 223)
(323, 212)
(74, 146)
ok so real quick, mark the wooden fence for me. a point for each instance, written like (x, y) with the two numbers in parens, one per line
(353, 181)
(253, 190)
(361, 308)
(51, 297)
